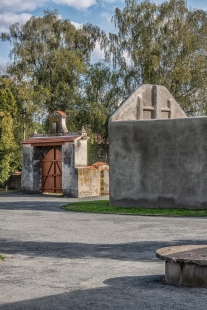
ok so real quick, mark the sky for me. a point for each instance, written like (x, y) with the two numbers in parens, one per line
(97, 12)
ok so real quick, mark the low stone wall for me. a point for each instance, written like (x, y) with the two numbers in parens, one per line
(88, 182)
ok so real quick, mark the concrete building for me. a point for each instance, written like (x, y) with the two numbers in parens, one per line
(157, 156)
(57, 163)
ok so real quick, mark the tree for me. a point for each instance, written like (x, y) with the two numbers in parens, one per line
(162, 44)
(3, 69)
(100, 98)
(51, 55)
(7, 141)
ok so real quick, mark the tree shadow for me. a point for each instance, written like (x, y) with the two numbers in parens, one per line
(54, 206)
(39, 202)
(138, 292)
(131, 251)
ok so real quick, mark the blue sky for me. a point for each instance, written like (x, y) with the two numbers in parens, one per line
(97, 12)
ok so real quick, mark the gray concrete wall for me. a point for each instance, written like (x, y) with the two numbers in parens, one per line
(69, 173)
(27, 177)
(159, 163)
(31, 169)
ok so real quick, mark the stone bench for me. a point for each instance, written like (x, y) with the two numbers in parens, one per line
(185, 265)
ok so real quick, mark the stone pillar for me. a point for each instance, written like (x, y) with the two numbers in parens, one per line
(31, 169)
(27, 168)
(106, 182)
(69, 173)
(80, 153)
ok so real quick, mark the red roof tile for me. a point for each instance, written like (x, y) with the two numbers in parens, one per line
(62, 113)
(17, 173)
(98, 164)
(50, 140)
(87, 167)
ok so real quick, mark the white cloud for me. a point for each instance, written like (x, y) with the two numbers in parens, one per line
(9, 18)
(77, 25)
(109, 1)
(127, 58)
(107, 16)
(78, 4)
(97, 54)
(30, 5)
(20, 6)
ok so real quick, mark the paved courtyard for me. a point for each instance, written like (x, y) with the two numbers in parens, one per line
(65, 260)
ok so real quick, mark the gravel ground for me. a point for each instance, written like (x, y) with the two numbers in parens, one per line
(55, 259)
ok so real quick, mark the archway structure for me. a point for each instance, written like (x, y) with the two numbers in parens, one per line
(57, 163)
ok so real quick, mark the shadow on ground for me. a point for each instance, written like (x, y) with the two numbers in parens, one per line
(138, 292)
(40, 205)
(39, 202)
(132, 251)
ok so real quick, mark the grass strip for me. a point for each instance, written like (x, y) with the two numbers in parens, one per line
(2, 257)
(102, 206)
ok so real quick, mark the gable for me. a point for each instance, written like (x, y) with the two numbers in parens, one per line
(148, 102)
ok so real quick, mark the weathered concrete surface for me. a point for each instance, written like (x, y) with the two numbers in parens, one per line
(185, 265)
(81, 153)
(31, 179)
(65, 260)
(159, 163)
(106, 181)
(196, 254)
(74, 178)
(148, 102)
(69, 173)
(74, 154)
(186, 274)
(58, 122)
(27, 177)
(89, 180)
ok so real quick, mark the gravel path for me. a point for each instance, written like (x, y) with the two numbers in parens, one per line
(57, 259)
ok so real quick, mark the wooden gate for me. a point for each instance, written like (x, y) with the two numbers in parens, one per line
(52, 172)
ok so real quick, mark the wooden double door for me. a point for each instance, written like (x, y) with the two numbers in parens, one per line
(52, 172)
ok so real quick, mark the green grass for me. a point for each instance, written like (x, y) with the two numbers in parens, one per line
(2, 257)
(3, 190)
(102, 206)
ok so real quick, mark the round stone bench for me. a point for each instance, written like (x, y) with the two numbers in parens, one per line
(185, 265)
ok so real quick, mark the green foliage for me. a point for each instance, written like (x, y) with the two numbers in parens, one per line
(100, 98)
(7, 102)
(22, 110)
(7, 141)
(2, 257)
(162, 44)
(24, 107)
(94, 152)
(51, 55)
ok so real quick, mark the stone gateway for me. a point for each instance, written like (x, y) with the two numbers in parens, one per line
(57, 163)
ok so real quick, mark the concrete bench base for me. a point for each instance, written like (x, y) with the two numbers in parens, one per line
(185, 265)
